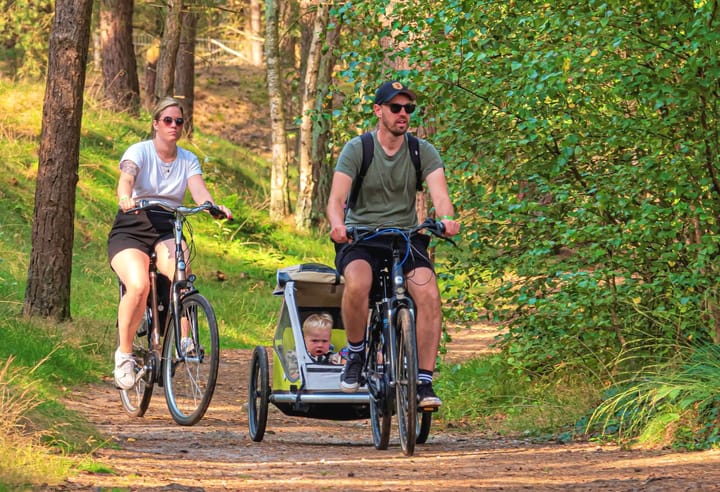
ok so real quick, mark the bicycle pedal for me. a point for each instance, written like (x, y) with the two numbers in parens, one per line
(428, 409)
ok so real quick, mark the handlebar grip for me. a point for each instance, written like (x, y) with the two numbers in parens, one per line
(217, 213)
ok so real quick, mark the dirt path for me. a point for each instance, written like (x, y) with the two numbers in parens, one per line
(310, 454)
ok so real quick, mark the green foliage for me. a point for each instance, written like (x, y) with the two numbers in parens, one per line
(581, 144)
(24, 31)
(674, 404)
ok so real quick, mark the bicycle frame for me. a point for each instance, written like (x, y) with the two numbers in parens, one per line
(188, 376)
(391, 365)
(182, 284)
(391, 294)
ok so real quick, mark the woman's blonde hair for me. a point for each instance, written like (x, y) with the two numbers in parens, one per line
(318, 321)
(162, 105)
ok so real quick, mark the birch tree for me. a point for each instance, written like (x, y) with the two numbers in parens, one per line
(307, 184)
(279, 193)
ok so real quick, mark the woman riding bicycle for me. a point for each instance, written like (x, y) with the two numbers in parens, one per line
(155, 169)
(387, 199)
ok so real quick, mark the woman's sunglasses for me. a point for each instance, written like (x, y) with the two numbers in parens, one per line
(169, 121)
(395, 108)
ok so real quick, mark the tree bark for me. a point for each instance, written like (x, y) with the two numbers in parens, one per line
(185, 68)
(255, 28)
(119, 66)
(47, 293)
(165, 76)
(303, 211)
(322, 159)
(279, 192)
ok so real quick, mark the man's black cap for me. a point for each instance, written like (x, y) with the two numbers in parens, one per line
(391, 89)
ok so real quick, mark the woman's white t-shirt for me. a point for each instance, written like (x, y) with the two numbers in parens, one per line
(158, 180)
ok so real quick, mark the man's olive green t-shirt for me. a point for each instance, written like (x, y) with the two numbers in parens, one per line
(387, 193)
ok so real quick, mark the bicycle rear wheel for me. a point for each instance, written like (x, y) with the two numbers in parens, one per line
(406, 379)
(136, 400)
(380, 392)
(189, 378)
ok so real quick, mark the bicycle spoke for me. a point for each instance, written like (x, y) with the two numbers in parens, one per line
(380, 392)
(190, 381)
(407, 376)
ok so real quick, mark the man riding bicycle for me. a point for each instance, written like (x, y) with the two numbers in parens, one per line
(387, 199)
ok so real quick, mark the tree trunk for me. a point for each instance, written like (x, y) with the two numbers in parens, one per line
(288, 20)
(165, 77)
(255, 28)
(279, 193)
(119, 67)
(48, 283)
(306, 187)
(150, 76)
(322, 160)
(185, 69)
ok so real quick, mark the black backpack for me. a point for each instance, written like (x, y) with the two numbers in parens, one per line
(368, 151)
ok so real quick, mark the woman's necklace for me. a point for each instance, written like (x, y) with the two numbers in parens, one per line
(166, 167)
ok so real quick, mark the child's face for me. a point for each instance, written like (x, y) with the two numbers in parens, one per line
(317, 341)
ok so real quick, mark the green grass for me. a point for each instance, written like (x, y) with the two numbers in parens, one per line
(486, 393)
(674, 403)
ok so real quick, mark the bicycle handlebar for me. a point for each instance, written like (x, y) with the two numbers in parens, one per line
(182, 209)
(436, 228)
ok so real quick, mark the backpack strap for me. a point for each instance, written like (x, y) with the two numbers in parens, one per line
(414, 147)
(368, 146)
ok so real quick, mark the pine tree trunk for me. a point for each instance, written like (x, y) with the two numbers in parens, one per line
(165, 76)
(47, 293)
(119, 66)
(185, 69)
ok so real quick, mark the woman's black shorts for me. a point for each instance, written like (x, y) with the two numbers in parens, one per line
(140, 231)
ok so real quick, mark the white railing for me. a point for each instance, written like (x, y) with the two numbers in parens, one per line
(207, 50)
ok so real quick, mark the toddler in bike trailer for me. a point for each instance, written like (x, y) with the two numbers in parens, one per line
(317, 332)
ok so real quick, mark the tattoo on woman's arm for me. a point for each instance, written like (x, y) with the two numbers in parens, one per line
(129, 167)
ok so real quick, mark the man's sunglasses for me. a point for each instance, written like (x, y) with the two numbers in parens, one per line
(395, 108)
(169, 121)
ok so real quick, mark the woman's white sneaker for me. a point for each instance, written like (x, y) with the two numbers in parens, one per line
(125, 372)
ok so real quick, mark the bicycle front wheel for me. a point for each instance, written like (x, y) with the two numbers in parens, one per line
(423, 427)
(378, 385)
(406, 379)
(190, 369)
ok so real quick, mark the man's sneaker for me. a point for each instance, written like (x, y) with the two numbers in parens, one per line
(187, 346)
(350, 376)
(427, 397)
(125, 372)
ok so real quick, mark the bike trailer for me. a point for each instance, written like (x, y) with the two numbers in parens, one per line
(301, 386)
